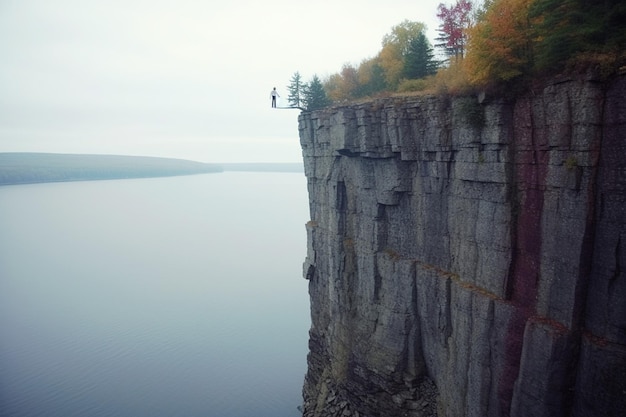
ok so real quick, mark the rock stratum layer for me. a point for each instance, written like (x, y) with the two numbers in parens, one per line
(466, 258)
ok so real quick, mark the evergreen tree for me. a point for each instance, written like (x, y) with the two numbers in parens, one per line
(419, 61)
(295, 89)
(315, 97)
(395, 47)
(558, 28)
(567, 28)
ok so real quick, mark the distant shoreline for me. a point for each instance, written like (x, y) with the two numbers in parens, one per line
(264, 167)
(18, 168)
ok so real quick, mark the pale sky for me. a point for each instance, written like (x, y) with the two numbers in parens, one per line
(181, 79)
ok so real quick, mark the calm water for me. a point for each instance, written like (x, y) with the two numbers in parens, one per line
(155, 297)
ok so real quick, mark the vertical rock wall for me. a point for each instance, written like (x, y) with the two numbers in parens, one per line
(466, 258)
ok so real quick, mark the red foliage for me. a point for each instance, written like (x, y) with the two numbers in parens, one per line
(454, 21)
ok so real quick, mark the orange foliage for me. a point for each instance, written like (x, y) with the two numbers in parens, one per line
(392, 62)
(499, 46)
(332, 85)
(453, 79)
(343, 86)
(366, 71)
(395, 46)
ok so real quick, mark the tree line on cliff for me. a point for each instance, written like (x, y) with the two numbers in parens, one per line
(497, 44)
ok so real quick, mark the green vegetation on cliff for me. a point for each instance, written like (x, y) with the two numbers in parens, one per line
(522, 39)
(497, 45)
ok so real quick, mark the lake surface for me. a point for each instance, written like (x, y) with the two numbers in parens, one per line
(176, 296)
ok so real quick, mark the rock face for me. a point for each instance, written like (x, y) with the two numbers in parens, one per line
(465, 258)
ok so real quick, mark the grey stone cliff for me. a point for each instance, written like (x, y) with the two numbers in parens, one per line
(465, 258)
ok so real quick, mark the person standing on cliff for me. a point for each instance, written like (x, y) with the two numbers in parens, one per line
(273, 95)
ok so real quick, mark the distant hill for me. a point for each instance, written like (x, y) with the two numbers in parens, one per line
(264, 167)
(28, 168)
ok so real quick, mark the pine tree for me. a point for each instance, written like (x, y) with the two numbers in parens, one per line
(567, 28)
(314, 96)
(295, 89)
(419, 61)
(395, 47)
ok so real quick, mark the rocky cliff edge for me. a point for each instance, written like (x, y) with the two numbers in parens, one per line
(465, 256)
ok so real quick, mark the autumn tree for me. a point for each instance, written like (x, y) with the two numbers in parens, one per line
(481, 10)
(524, 38)
(346, 86)
(295, 89)
(352, 83)
(371, 76)
(343, 85)
(315, 97)
(500, 46)
(385, 70)
(454, 22)
(333, 87)
(395, 47)
(419, 60)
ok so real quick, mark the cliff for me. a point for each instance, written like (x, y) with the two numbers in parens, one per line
(465, 258)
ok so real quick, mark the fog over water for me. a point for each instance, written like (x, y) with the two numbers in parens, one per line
(176, 296)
